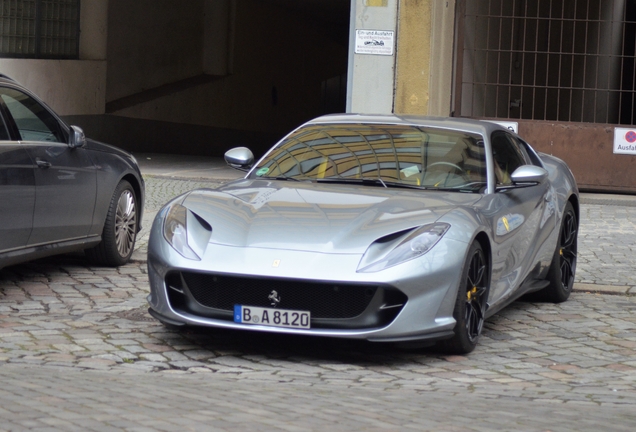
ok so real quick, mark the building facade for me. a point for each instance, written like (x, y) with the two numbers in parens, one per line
(202, 76)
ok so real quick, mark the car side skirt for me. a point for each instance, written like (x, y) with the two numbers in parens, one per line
(18, 256)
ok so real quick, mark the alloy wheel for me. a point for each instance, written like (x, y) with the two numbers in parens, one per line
(476, 287)
(125, 223)
(568, 249)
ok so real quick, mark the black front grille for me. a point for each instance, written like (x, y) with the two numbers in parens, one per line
(322, 299)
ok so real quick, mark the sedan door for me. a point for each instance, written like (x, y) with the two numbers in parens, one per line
(65, 177)
(17, 192)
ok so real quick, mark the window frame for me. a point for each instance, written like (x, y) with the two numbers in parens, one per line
(11, 125)
(39, 38)
(515, 150)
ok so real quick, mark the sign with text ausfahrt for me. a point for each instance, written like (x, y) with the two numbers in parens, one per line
(625, 141)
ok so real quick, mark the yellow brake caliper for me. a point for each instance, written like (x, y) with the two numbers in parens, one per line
(470, 293)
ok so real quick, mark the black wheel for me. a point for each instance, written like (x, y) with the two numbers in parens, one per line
(120, 229)
(563, 267)
(470, 306)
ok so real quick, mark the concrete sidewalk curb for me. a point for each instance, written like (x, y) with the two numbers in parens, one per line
(604, 289)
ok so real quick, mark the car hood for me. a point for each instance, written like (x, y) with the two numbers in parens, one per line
(315, 217)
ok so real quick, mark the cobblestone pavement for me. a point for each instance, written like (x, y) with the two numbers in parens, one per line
(607, 245)
(79, 352)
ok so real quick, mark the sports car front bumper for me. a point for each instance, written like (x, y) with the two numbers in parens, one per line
(411, 301)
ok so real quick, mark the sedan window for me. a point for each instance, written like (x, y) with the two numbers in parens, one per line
(4, 133)
(33, 121)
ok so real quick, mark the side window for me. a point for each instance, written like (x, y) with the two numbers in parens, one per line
(507, 156)
(33, 121)
(534, 159)
(4, 133)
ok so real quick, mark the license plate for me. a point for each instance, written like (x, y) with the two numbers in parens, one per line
(272, 317)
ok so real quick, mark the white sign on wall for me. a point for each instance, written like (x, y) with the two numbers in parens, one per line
(378, 42)
(513, 126)
(625, 141)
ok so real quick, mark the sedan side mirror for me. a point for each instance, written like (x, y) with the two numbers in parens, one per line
(76, 138)
(240, 158)
(529, 174)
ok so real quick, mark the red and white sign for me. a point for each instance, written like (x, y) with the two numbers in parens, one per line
(625, 141)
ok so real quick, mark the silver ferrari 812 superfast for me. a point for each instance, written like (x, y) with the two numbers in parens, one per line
(377, 227)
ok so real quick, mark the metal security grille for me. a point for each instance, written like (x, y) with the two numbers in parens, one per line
(559, 60)
(39, 28)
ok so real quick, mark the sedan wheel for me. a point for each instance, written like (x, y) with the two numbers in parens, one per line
(120, 229)
(125, 223)
(470, 307)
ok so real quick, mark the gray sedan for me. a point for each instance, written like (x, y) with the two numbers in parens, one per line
(61, 192)
(383, 228)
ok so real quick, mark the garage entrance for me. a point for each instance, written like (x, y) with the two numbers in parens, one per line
(220, 73)
(563, 69)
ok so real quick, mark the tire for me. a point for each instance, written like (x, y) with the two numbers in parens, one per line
(470, 306)
(120, 229)
(563, 267)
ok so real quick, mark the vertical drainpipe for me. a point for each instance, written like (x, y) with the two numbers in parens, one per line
(372, 54)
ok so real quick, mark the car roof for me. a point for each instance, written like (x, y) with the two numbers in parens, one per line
(482, 127)
(6, 78)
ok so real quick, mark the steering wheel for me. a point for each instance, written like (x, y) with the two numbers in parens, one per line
(460, 171)
(450, 164)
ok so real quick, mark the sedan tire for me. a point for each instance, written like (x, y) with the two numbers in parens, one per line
(120, 229)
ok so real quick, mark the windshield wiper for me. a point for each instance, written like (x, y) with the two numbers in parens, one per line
(359, 181)
(370, 182)
(280, 178)
(468, 187)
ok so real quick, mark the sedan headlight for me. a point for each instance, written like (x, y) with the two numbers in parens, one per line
(186, 233)
(416, 244)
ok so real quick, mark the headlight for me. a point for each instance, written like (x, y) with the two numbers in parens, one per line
(175, 230)
(420, 241)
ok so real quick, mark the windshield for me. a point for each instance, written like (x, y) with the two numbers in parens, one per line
(395, 155)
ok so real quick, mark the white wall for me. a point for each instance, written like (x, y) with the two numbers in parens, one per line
(68, 86)
(93, 29)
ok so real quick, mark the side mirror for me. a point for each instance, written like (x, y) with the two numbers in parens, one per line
(240, 158)
(76, 138)
(529, 174)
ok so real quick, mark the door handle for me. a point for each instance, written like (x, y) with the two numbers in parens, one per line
(42, 163)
